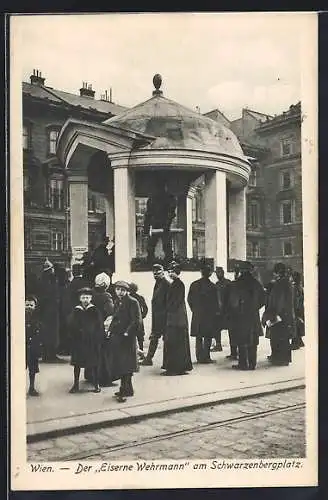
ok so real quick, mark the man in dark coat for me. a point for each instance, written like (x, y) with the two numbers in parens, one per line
(299, 310)
(176, 352)
(221, 288)
(86, 330)
(33, 340)
(159, 215)
(246, 297)
(144, 312)
(159, 312)
(123, 336)
(49, 301)
(279, 317)
(203, 302)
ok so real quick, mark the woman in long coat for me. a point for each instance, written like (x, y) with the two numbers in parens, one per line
(202, 300)
(104, 303)
(176, 354)
(86, 329)
(123, 331)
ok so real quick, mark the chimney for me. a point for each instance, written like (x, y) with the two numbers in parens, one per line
(105, 97)
(86, 90)
(36, 78)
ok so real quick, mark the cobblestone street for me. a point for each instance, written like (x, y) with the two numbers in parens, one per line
(270, 426)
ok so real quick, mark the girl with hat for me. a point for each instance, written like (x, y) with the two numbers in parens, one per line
(123, 331)
(87, 334)
(176, 354)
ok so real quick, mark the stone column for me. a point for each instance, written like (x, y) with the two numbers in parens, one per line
(237, 224)
(109, 205)
(78, 201)
(182, 223)
(125, 237)
(215, 218)
(189, 227)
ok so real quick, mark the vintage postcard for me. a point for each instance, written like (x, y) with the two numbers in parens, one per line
(163, 213)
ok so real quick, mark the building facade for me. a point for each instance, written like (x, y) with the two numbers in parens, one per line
(46, 200)
(273, 199)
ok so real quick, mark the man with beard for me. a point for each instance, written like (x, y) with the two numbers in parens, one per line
(279, 317)
(246, 297)
(159, 312)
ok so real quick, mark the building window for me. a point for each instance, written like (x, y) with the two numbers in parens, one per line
(57, 242)
(53, 136)
(56, 194)
(287, 147)
(253, 249)
(286, 179)
(253, 178)
(287, 248)
(253, 214)
(26, 137)
(287, 212)
(26, 182)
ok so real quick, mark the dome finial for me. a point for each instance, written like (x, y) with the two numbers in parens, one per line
(157, 81)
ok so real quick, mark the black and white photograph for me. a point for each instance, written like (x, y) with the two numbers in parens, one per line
(163, 206)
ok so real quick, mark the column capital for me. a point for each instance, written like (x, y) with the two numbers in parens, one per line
(77, 178)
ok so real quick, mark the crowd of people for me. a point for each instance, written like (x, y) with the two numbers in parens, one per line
(100, 324)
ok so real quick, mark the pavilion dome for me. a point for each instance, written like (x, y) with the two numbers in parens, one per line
(177, 127)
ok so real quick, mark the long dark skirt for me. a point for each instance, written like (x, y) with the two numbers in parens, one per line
(280, 345)
(176, 352)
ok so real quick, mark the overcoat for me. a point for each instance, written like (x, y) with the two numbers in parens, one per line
(245, 299)
(280, 303)
(33, 341)
(49, 306)
(86, 330)
(126, 319)
(222, 294)
(176, 352)
(143, 310)
(105, 305)
(299, 309)
(203, 302)
(159, 306)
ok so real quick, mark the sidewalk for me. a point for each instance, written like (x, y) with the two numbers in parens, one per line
(56, 412)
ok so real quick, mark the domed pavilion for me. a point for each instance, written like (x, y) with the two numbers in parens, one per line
(128, 156)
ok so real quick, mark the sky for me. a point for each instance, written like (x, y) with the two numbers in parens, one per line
(225, 61)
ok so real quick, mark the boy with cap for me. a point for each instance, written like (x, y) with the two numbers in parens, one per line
(159, 312)
(32, 341)
(123, 330)
(87, 334)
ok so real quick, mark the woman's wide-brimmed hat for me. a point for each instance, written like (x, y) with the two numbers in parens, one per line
(122, 284)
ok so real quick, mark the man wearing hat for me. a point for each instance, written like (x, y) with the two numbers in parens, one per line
(122, 332)
(203, 302)
(158, 311)
(246, 297)
(49, 303)
(279, 317)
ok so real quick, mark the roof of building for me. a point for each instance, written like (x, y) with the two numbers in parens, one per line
(59, 96)
(177, 127)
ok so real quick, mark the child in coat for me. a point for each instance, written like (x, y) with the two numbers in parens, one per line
(87, 334)
(33, 341)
